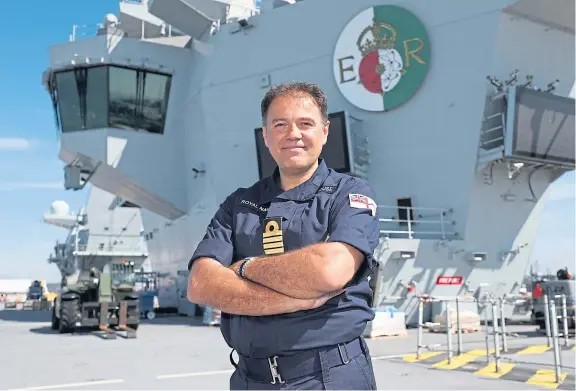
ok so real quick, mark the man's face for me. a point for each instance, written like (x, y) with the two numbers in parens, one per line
(294, 132)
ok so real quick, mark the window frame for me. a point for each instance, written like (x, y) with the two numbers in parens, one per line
(61, 122)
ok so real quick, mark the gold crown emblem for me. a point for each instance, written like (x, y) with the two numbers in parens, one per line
(366, 45)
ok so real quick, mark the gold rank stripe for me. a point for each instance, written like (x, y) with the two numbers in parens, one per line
(273, 245)
(273, 239)
(274, 251)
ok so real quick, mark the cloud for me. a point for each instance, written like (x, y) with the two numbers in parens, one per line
(19, 144)
(14, 144)
(11, 186)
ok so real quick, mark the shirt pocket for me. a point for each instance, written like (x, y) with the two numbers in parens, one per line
(246, 227)
(312, 221)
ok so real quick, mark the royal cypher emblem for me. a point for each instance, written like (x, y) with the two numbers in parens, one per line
(381, 58)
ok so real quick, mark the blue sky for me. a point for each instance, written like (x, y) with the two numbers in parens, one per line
(31, 173)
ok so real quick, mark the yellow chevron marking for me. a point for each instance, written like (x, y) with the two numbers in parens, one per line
(574, 347)
(490, 370)
(423, 356)
(535, 349)
(463, 359)
(545, 378)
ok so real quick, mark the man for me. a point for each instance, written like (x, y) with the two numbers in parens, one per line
(287, 260)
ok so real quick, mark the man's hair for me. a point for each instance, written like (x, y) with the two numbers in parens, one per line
(295, 89)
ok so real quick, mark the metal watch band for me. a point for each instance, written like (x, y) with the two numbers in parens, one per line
(242, 268)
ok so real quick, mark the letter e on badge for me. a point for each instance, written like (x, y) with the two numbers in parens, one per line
(272, 237)
(362, 202)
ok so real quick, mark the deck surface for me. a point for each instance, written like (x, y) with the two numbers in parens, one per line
(173, 353)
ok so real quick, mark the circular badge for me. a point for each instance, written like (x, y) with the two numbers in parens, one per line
(381, 58)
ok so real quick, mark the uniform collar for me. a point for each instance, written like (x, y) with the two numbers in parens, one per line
(302, 192)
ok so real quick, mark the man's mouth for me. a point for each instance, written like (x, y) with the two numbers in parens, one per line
(293, 148)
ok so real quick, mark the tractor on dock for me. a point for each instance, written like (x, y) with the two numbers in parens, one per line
(104, 299)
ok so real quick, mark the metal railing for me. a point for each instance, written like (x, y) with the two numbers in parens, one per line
(132, 248)
(498, 332)
(95, 29)
(421, 222)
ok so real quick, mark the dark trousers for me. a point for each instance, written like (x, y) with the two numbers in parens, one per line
(341, 367)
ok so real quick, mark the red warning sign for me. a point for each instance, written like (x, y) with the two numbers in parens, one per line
(449, 280)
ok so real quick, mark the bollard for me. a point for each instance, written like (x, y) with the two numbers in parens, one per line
(496, 337)
(487, 333)
(458, 327)
(555, 347)
(565, 319)
(449, 331)
(420, 325)
(547, 318)
(503, 326)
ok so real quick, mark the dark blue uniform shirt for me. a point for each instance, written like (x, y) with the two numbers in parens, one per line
(330, 207)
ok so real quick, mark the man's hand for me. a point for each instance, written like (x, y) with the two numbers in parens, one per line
(236, 266)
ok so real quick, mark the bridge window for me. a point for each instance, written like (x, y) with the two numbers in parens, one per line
(69, 102)
(111, 96)
(96, 98)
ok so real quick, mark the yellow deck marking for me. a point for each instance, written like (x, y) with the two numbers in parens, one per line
(463, 359)
(490, 370)
(535, 349)
(545, 378)
(423, 356)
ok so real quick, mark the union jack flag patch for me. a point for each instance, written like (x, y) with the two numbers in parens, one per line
(362, 202)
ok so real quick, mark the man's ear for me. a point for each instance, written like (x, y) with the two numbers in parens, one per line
(326, 131)
(265, 136)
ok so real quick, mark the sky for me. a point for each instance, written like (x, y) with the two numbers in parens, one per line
(31, 174)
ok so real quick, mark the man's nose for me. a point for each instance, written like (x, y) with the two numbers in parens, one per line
(294, 132)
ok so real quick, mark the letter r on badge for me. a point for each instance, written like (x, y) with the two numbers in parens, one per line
(272, 237)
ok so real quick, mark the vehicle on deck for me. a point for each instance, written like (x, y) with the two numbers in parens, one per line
(554, 289)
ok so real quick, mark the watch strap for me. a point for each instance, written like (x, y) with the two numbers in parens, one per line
(242, 268)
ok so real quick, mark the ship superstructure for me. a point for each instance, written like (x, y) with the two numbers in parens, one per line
(100, 233)
(457, 114)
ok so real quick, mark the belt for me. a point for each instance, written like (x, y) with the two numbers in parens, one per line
(278, 369)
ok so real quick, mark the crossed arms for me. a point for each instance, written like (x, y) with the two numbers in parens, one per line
(289, 282)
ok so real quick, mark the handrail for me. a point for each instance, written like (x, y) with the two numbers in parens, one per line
(432, 217)
(107, 248)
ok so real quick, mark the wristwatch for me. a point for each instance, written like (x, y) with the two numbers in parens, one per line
(242, 268)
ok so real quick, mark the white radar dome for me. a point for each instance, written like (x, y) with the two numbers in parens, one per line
(110, 20)
(59, 208)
